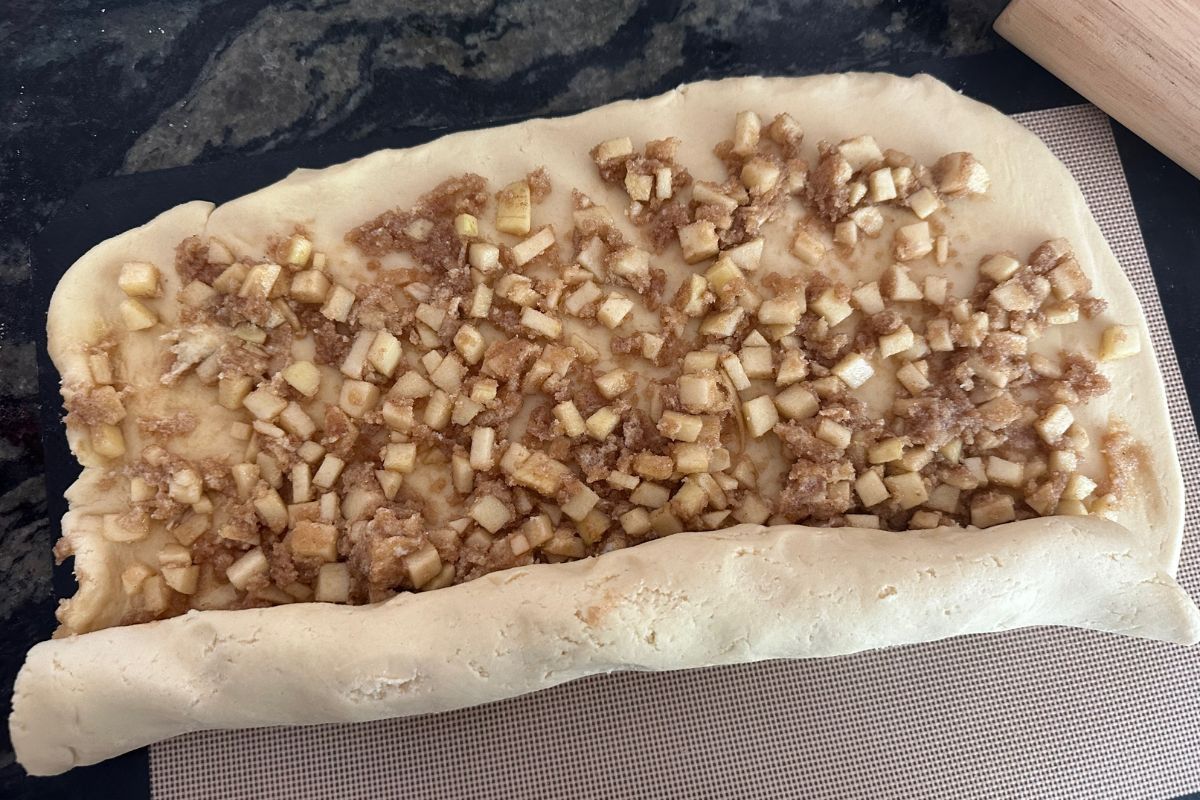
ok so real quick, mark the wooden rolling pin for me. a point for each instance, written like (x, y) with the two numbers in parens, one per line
(1138, 60)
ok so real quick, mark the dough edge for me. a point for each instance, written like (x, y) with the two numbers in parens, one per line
(123, 700)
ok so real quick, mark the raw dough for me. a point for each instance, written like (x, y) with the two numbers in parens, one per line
(85, 698)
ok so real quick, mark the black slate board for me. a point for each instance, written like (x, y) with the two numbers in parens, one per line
(1166, 198)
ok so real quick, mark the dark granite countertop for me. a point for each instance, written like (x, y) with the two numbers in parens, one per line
(92, 89)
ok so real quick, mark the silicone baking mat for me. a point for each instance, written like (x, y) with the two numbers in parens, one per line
(1039, 712)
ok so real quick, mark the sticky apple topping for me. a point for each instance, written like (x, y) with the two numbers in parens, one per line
(494, 391)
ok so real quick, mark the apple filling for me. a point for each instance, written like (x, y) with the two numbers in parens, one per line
(517, 394)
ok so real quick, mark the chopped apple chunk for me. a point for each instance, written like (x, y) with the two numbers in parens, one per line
(513, 209)
(140, 279)
(1119, 341)
(136, 316)
(698, 241)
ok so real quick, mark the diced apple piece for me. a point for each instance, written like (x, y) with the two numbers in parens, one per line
(999, 268)
(651, 346)
(400, 457)
(540, 323)
(525, 251)
(1119, 341)
(264, 404)
(310, 286)
(705, 193)
(484, 257)
(615, 382)
(691, 459)
(992, 508)
(793, 367)
(760, 175)
(107, 441)
(941, 249)
(261, 281)
(860, 152)
(697, 393)
(747, 128)
(747, 255)
(1079, 487)
(871, 489)
(246, 568)
(329, 471)
(830, 307)
(907, 488)
(579, 502)
(688, 501)
(959, 174)
(912, 242)
(923, 203)
(1003, 472)
(303, 376)
(633, 263)
(411, 386)
(333, 584)
(680, 427)
(936, 289)
(621, 147)
(358, 397)
(896, 342)
(835, 434)
(881, 187)
(912, 379)
(650, 495)
(1013, 296)
(663, 183)
(613, 310)
(513, 209)
(483, 448)
(760, 415)
(653, 467)
(698, 241)
(785, 310)
(140, 279)
(602, 423)
(571, 420)
(886, 450)
(639, 187)
(296, 421)
(635, 522)
(136, 316)
(722, 323)
(845, 234)
(438, 410)
(868, 219)
(854, 370)
(449, 374)
(182, 579)
(491, 513)
(797, 402)
(338, 303)
(1053, 424)
(807, 247)
(732, 365)
(271, 510)
(384, 353)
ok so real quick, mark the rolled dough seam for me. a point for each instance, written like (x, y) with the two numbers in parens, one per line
(746, 594)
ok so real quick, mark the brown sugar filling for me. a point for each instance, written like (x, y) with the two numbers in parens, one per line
(535, 397)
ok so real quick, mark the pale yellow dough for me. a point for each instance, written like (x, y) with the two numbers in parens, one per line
(689, 600)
